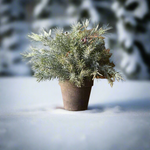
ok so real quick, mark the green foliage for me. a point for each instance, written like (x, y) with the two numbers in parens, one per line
(72, 56)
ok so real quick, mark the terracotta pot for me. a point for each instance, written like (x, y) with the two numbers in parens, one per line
(75, 98)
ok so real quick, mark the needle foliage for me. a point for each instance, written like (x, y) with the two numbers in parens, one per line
(75, 56)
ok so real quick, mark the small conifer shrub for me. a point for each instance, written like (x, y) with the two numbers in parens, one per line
(73, 56)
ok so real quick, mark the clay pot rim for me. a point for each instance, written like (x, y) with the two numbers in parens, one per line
(87, 84)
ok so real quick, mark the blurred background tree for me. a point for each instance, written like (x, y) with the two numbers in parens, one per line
(129, 40)
(13, 30)
(133, 34)
(62, 13)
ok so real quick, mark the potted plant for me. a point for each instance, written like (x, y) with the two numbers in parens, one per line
(75, 58)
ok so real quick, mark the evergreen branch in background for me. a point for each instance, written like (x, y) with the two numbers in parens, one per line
(73, 55)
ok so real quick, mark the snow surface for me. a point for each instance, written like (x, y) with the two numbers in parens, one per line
(32, 117)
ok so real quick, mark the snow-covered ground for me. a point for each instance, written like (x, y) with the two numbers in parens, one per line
(31, 117)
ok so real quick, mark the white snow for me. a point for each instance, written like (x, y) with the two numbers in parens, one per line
(20, 27)
(20, 69)
(63, 16)
(40, 7)
(115, 5)
(129, 61)
(71, 10)
(141, 10)
(32, 117)
(14, 39)
(4, 8)
(17, 39)
(123, 35)
(104, 4)
(88, 5)
(48, 23)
